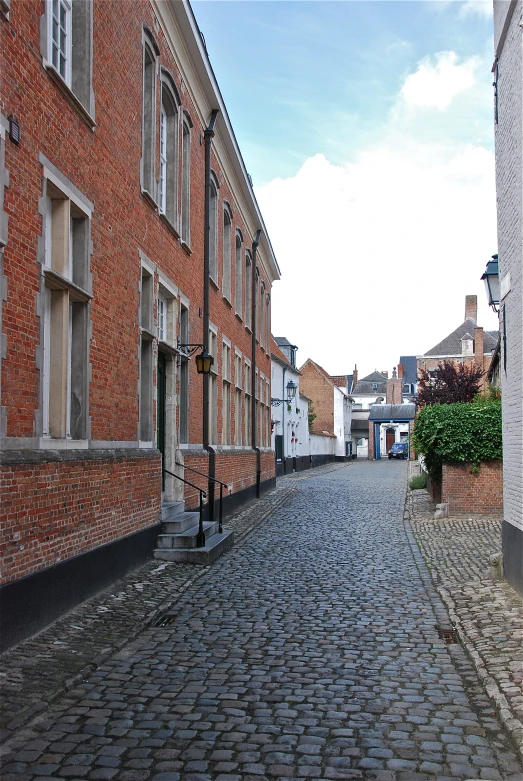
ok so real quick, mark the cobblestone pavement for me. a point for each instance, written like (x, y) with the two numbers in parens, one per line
(487, 612)
(309, 651)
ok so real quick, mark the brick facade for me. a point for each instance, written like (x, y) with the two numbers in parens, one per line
(468, 490)
(87, 159)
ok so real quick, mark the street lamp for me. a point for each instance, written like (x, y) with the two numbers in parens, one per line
(491, 280)
(291, 389)
(204, 360)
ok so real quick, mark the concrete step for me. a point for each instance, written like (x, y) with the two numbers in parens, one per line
(172, 509)
(186, 539)
(214, 547)
(180, 523)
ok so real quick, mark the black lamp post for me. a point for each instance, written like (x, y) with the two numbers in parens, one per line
(491, 280)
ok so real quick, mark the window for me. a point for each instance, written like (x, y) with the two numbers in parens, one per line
(162, 318)
(247, 402)
(66, 316)
(226, 393)
(150, 50)
(238, 399)
(226, 273)
(261, 316)
(213, 234)
(146, 357)
(183, 390)
(267, 322)
(186, 180)
(213, 388)
(248, 291)
(238, 275)
(69, 46)
(256, 401)
(168, 150)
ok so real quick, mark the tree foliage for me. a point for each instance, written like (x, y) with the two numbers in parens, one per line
(312, 415)
(457, 433)
(449, 384)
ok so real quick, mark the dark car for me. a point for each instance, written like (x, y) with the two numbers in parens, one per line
(399, 450)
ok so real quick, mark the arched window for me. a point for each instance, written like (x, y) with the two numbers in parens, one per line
(238, 274)
(168, 185)
(213, 223)
(267, 322)
(261, 316)
(227, 249)
(248, 290)
(186, 179)
(150, 52)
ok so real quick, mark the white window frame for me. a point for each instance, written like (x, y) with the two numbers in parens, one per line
(67, 6)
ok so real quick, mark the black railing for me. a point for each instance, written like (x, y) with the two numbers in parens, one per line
(200, 537)
(214, 480)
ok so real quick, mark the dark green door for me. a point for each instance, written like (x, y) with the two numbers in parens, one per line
(160, 409)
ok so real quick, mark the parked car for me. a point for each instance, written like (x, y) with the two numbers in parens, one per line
(399, 450)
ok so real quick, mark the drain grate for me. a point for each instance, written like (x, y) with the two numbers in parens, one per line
(448, 633)
(165, 620)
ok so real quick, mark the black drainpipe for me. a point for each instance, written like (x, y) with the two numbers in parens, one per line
(283, 423)
(254, 416)
(208, 136)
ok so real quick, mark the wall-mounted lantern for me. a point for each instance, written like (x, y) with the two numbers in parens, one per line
(491, 280)
(204, 360)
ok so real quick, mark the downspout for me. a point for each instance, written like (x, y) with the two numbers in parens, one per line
(254, 417)
(283, 423)
(208, 136)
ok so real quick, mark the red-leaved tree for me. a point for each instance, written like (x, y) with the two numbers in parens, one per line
(450, 383)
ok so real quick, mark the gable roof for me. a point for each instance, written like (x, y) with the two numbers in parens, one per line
(365, 384)
(279, 357)
(392, 412)
(451, 344)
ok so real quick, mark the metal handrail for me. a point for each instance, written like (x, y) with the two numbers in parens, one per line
(214, 480)
(200, 537)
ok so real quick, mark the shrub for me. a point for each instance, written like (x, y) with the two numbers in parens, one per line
(455, 433)
(420, 481)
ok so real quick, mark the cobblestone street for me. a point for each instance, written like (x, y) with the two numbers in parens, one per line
(310, 651)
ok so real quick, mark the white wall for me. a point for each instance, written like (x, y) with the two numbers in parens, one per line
(291, 420)
(321, 445)
(342, 419)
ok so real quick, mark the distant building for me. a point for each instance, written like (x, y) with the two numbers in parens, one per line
(332, 406)
(408, 372)
(468, 344)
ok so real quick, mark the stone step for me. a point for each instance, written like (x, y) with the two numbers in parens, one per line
(214, 547)
(172, 509)
(180, 523)
(186, 539)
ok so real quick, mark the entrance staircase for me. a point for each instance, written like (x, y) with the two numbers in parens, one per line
(178, 539)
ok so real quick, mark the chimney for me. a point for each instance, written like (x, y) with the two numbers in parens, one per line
(385, 374)
(355, 376)
(394, 390)
(400, 371)
(471, 308)
(479, 348)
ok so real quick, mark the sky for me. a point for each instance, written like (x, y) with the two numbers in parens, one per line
(367, 128)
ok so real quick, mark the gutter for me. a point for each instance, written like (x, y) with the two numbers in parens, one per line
(208, 136)
(254, 311)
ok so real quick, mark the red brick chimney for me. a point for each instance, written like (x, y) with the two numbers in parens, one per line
(394, 389)
(385, 374)
(355, 376)
(479, 348)
(471, 308)
(400, 371)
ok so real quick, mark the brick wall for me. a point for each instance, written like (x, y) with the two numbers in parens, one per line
(55, 509)
(468, 491)
(317, 388)
(509, 184)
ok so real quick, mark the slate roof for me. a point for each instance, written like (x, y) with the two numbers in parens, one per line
(281, 341)
(410, 370)
(279, 357)
(451, 344)
(365, 384)
(383, 412)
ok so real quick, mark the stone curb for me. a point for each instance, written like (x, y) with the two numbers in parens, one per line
(513, 725)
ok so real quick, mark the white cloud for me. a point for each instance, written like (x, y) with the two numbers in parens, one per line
(378, 254)
(435, 85)
(480, 7)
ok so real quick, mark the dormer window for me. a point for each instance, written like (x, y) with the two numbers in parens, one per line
(467, 345)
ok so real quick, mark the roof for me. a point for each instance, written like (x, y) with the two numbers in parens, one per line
(324, 374)
(365, 384)
(392, 412)
(359, 425)
(451, 344)
(279, 357)
(410, 372)
(281, 341)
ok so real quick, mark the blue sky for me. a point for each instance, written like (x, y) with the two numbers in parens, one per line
(371, 121)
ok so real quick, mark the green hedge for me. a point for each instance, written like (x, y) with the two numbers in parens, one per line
(454, 433)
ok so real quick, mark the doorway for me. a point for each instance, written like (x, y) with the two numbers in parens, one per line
(390, 438)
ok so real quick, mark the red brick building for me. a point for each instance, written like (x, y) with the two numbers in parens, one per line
(128, 228)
